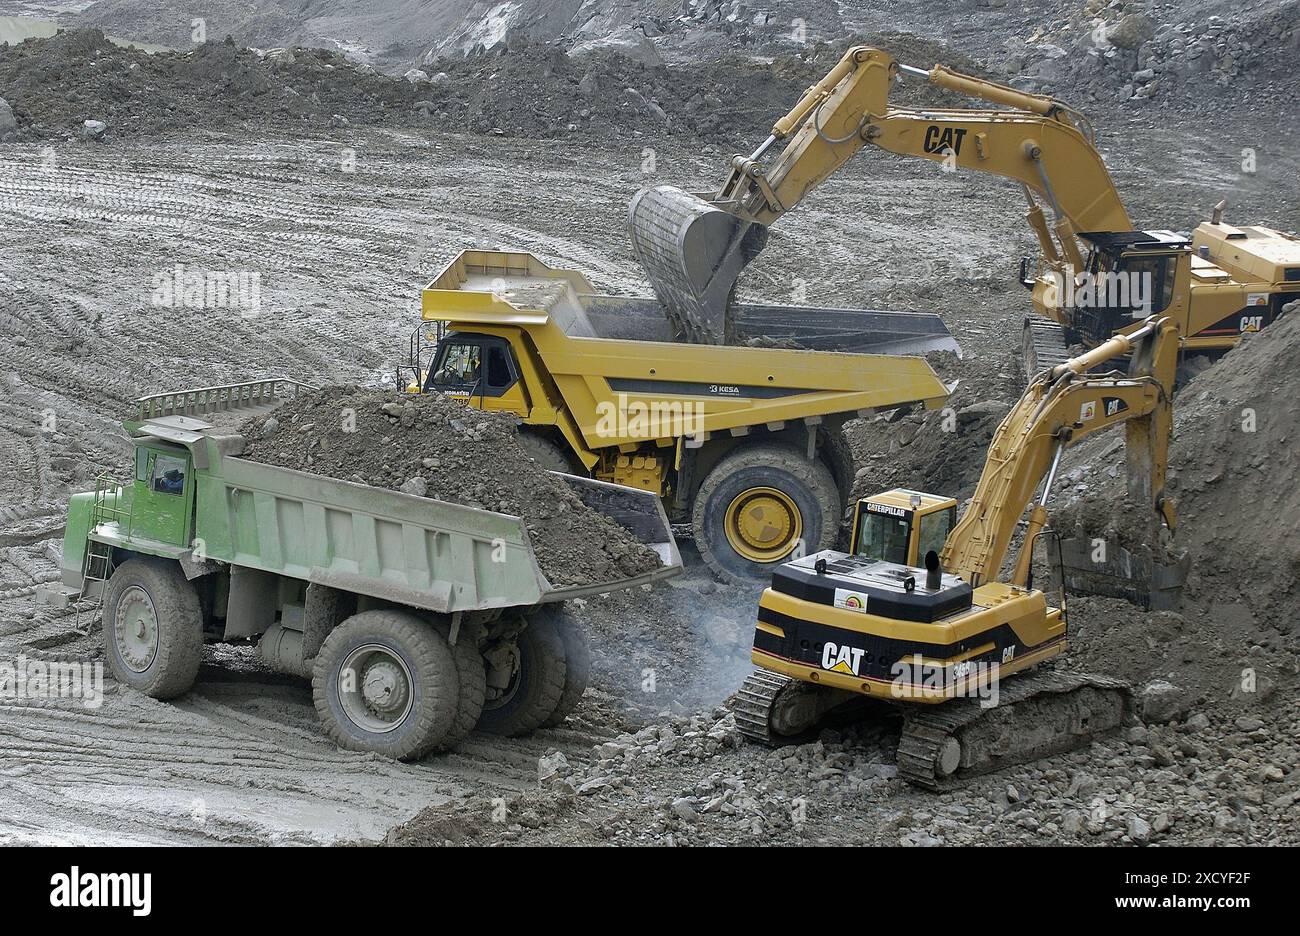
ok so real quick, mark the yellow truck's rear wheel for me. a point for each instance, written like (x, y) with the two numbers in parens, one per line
(763, 524)
(760, 504)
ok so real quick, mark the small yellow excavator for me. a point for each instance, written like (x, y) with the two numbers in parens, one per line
(1097, 276)
(918, 613)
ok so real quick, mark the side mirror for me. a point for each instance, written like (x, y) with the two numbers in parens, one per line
(1026, 280)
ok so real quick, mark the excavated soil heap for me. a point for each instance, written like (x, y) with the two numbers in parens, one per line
(435, 447)
(533, 90)
(1234, 467)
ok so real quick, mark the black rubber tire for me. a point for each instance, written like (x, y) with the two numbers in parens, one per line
(808, 483)
(435, 689)
(471, 672)
(179, 616)
(577, 662)
(546, 452)
(540, 683)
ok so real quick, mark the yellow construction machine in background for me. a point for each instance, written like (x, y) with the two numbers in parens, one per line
(1096, 275)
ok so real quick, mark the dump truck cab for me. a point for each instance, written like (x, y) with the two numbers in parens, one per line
(163, 488)
(901, 526)
(481, 369)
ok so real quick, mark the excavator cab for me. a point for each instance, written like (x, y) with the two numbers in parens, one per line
(902, 526)
(1130, 276)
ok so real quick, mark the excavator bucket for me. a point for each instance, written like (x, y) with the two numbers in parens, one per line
(693, 254)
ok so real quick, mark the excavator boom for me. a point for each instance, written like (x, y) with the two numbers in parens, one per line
(1062, 406)
(695, 247)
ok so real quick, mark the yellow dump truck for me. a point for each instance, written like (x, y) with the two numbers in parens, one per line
(744, 444)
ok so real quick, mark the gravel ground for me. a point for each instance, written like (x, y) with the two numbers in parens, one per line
(342, 226)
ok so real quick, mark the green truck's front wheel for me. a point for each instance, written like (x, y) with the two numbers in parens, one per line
(386, 681)
(153, 628)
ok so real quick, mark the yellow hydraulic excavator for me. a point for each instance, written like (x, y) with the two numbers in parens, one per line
(919, 614)
(1096, 276)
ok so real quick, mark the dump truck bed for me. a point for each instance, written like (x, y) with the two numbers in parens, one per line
(815, 328)
(604, 351)
(417, 551)
(478, 281)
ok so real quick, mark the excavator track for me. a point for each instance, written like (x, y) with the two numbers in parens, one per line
(1038, 715)
(774, 709)
(1043, 346)
(754, 701)
(945, 745)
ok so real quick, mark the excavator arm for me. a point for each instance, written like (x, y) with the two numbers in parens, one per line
(1061, 407)
(696, 247)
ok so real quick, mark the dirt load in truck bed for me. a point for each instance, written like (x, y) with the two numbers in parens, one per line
(435, 447)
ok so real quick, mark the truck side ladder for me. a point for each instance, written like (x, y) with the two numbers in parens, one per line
(97, 563)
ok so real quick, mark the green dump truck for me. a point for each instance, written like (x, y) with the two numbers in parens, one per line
(415, 619)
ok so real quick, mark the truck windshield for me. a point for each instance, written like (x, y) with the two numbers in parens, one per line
(883, 537)
(457, 366)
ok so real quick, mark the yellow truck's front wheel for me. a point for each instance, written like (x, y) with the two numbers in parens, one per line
(759, 505)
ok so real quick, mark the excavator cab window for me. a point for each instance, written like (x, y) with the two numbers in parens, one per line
(935, 528)
(1122, 288)
(1153, 275)
(883, 536)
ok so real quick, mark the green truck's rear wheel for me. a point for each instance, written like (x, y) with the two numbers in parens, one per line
(758, 506)
(577, 662)
(386, 681)
(153, 628)
(471, 672)
(536, 685)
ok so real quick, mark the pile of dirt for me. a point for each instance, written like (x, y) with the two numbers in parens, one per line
(524, 89)
(1233, 463)
(54, 85)
(938, 451)
(1166, 53)
(538, 91)
(432, 446)
(1233, 467)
